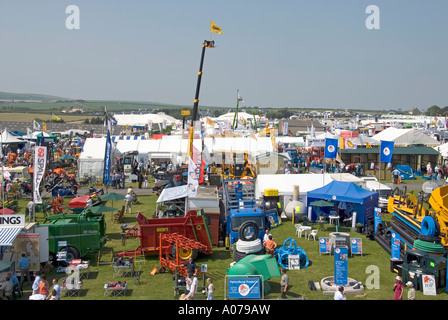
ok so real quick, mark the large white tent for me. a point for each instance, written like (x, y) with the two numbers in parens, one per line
(91, 160)
(406, 137)
(142, 119)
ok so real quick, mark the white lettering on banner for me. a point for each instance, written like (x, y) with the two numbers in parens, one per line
(72, 21)
(373, 21)
(40, 161)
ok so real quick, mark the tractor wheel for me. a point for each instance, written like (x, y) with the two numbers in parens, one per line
(246, 234)
(185, 254)
(72, 253)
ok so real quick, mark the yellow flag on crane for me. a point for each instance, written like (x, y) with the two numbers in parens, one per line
(214, 28)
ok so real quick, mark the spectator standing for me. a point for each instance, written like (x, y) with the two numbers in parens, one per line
(284, 283)
(24, 265)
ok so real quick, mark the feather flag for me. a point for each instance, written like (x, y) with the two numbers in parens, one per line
(36, 125)
(192, 178)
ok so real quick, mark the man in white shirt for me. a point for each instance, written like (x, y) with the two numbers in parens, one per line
(193, 286)
(128, 202)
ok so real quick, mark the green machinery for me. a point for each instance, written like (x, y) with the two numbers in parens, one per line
(84, 233)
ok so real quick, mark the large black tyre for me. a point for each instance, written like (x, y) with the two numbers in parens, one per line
(238, 255)
(72, 253)
(243, 235)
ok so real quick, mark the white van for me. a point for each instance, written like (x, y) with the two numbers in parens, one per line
(384, 191)
(20, 173)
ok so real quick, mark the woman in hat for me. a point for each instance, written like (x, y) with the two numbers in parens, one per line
(398, 289)
(411, 290)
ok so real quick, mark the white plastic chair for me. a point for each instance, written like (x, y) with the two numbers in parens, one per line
(299, 230)
(313, 234)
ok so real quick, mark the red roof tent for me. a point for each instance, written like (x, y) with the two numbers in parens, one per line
(158, 136)
(78, 202)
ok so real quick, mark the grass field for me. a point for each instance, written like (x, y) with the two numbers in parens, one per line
(160, 286)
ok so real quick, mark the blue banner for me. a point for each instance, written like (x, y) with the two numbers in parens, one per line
(331, 148)
(341, 266)
(356, 245)
(244, 288)
(324, 245)
(377, 218)
(107, 160)
(395, 246)
(387, 149)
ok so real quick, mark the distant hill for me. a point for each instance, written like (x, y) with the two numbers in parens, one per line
(29, 97)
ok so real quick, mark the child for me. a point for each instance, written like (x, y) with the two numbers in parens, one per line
(210, 289)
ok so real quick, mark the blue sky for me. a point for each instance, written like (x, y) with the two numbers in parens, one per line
(277, 53)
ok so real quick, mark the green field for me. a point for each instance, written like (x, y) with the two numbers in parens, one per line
(160, 285)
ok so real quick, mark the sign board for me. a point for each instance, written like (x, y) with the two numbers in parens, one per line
(40, 162)
(185, 112)
(429, 285)
(377, 218)
(294, 262)
(12, 220)
(395, 246)
(324, 245)
(341, 266)
(356, 245)
(244, 287)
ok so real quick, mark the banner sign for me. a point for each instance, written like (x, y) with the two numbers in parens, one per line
(340, 266)
(429, 285)
(324, 245)
(107, 161)
(395, 246)
(12, 220)
(294, 262)
(40, 162)
(244, 288)
(356, 245)
(377, 217)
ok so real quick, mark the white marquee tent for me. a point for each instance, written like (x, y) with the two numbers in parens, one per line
(405, 137)
(91, 160)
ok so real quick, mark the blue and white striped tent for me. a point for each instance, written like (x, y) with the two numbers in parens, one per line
(8, 235)
(117, 138)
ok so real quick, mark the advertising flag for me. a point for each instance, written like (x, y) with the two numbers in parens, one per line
(331, 148)
(107, 161)
(36, 125)
(40, 161)
(214, 28)
(387, 148)
(192, 178)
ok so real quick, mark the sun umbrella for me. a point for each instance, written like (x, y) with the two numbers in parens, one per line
(67, 157)
(113, 196)
(322, 203)
(6, 211)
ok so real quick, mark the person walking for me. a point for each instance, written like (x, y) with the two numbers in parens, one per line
(210, 289)
(284, 283)
(398, 289)
(128, 202)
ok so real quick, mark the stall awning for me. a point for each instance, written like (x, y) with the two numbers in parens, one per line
(173, 193)
(8, 235)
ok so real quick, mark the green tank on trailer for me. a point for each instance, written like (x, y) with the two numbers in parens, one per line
(84, 233)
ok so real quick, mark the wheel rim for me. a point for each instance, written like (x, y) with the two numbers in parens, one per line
(184, 254)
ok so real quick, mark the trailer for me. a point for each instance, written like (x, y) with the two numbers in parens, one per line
(191, 226)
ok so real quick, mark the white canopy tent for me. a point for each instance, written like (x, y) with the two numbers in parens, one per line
(7, 138)
(405, 137)
(91, 160)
